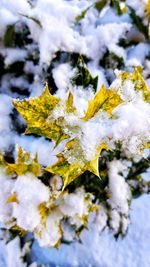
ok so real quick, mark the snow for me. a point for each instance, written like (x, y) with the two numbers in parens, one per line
(103, 250)
(62, 75)
(12, 54)
(101, 219)
(134, 58)
(25, 210)
(44, 149)
(74, 204)
(50, 234)
(94, 35)
(95, 70)
(138, 6)
(5, 189)
(5, 123)
(92, 41)
(128, 125)
(9, 251)
(119, 190)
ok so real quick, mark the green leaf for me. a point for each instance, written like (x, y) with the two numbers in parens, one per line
(8, 37)
(82, 15)
(83, 76)
(116, 6)
(33, 19)
(99, 5)
(138, 22)
(112, 61)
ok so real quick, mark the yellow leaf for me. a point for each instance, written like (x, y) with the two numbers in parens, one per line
(2, 160)
(19, 230)
(148, 6)
(5, 165)
(138, 80)
(70, 108)
(63, 168)
(11, 199)
(57, 119)
(93, 166)
(105, 100)
(44, 211)
(36, 112)
(70, 171)
(25, 164)
(147, 145)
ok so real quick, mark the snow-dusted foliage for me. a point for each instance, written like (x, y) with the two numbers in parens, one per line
(75, 79)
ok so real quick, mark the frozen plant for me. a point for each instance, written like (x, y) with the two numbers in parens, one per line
(87, 132)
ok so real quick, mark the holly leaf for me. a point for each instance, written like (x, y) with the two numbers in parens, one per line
(36, 112)
(105, 100)
(72, 162)
(47, 112)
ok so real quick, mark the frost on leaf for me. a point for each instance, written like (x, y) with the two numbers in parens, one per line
(70, 171)
(105, 99)
(25, 163)
(58, 119)
(138, 81)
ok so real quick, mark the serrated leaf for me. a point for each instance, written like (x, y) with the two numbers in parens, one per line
(36, 112)
(63, 168)
(105, 100)
(70, 171)
(25, 164)
(48, 112)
